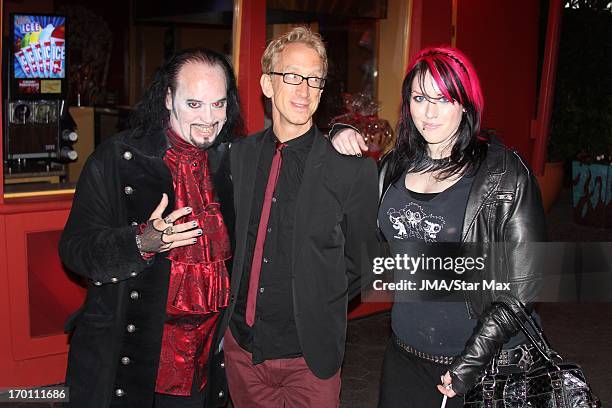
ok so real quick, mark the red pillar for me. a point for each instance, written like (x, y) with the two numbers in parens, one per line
(251, 43)
(415, 41)
(1, 110)
(541, 125)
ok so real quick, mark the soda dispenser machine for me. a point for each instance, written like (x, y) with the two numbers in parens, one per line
(38, 129)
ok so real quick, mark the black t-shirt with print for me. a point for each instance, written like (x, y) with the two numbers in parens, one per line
(439, 328)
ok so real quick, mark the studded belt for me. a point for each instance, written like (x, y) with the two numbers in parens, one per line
(446, 360)
(522, 356)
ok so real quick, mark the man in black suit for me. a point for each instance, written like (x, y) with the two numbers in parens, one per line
(305, 227)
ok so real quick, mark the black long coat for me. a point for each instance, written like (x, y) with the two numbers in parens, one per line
(116, 335)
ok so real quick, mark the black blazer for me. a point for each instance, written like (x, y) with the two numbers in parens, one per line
(334, 235)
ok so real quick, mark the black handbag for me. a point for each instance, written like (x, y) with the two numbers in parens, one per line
(551, 384)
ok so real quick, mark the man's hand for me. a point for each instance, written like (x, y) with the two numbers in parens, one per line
(161, 235)
(349, 142)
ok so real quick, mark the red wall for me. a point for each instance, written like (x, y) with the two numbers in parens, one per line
(436, 23)
(501, 38)
(36, 294)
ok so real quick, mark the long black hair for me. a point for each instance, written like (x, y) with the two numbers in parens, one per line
(150, 113)
(458, 82)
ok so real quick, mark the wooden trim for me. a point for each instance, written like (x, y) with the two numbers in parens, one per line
(28, 194)
(236, 31)
(410, 29)
(396, 35)
(34, 179)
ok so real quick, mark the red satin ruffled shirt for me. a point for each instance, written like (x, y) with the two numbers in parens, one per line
(199, 281)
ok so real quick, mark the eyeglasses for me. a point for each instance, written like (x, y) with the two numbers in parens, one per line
(296, 79)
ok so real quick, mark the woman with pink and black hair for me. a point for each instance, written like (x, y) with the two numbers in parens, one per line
(444, 182)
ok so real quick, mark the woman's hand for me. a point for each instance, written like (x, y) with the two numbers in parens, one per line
(446, 387)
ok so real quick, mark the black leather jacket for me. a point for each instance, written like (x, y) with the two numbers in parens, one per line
(504, 206)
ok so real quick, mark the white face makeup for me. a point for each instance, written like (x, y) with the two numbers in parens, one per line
(436, 118)
(293, 105)
(198, 108)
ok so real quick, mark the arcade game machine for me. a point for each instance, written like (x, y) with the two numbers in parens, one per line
(38, 129)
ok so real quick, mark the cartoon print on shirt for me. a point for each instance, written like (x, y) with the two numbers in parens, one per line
(432, 224)
(414, 214)
(396, 219)
(412, 221)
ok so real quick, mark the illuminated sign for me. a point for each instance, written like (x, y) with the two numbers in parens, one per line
(39, 46)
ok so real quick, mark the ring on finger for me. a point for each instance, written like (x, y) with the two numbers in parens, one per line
(169, 230)
(165, 246)
(162, 239)
(168, 220)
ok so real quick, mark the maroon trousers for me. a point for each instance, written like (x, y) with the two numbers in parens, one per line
(276, 383)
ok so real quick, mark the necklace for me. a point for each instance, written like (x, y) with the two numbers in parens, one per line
(436, 163)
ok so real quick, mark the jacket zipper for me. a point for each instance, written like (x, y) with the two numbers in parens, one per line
(501, 196)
